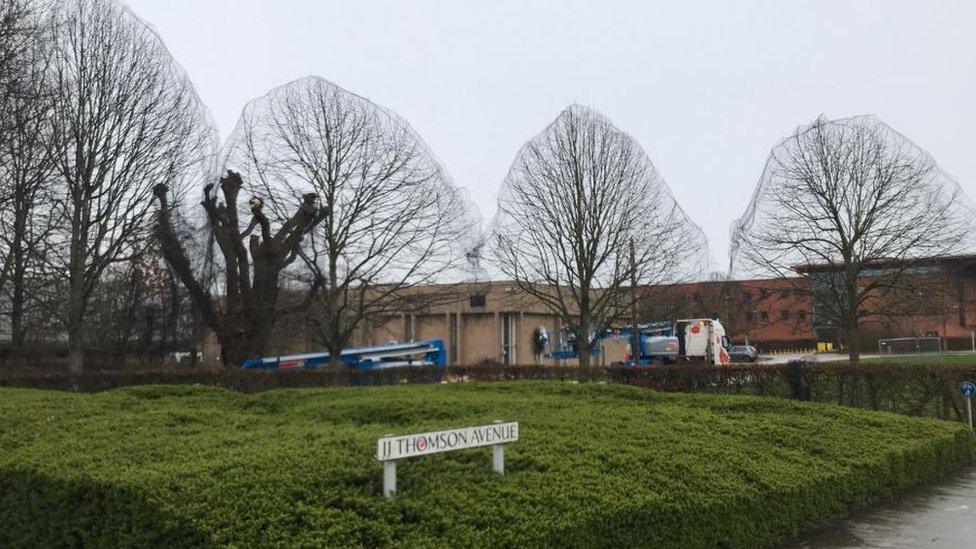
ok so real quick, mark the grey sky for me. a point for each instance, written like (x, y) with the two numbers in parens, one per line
(707, 88)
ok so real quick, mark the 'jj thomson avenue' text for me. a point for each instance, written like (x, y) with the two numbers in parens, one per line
(404, 446)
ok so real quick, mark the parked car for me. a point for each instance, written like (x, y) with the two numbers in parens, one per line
(743, 353)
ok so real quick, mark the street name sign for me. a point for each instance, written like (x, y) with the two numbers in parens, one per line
(968, 390)
(422, 444)
(391, 448)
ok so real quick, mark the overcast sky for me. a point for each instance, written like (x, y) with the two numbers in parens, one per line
(707, 88)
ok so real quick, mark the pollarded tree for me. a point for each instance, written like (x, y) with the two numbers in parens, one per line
(578, 198)
(244, 317)
(857, 207)
(125, 118)
(392, 218)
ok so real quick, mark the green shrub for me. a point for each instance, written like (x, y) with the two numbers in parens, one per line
(596, 465)
(904, 388)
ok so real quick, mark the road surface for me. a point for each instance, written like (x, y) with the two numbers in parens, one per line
(825, 357)
(942, 515)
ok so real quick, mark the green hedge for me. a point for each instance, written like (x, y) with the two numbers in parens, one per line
(905, 388)
(596, 465)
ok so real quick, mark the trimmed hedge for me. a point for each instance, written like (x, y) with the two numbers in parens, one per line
(237, 379)
(912, 389)
(596, 465)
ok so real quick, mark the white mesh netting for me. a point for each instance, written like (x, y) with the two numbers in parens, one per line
(394, 214)
(849, 187)
(575, 198)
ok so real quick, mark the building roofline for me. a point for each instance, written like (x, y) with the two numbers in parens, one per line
(880, 263)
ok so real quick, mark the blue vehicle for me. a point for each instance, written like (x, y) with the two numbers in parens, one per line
(657, 341)
(692, 340)
(428, 352)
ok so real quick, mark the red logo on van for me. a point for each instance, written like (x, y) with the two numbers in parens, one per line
(695, 329)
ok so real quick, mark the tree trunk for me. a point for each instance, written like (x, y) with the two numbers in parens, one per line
(80, 222)
(76, 350)
(635, 336)
(233, 346)
(76, 315)
(585, 351)
(853, 343)
(334, 342)
(17, 334)
(21, 211)
(335, 357)
(260, 332)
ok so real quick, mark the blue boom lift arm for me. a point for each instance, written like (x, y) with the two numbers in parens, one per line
(428, 352)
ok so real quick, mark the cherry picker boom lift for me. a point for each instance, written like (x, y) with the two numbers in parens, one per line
(429, 352)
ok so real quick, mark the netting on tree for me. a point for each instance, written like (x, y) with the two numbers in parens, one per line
(393, 215)
(850, 191)
(578, 196)
(150, 127)
(472, 246)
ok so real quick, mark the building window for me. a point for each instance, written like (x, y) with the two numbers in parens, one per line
(750, 316)
(696, 296)
(784, 294)
(763, 293)
(509, 337)
(746, 296)
(477, 300)
(784, 315)
(764, 315)
(801, 315)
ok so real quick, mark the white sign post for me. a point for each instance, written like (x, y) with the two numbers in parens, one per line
(390, 448)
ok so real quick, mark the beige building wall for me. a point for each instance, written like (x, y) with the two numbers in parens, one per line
(473, 330)
(392, 330)
(475, 334)
(430, 326)
(478, 338)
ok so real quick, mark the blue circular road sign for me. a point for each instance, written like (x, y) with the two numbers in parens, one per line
(967, 389)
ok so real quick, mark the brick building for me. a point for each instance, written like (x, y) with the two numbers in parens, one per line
(495, 322)
(483, 322)
(936, 297)
(769, 313)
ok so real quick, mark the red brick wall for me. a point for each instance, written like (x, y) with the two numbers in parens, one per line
(769, 312)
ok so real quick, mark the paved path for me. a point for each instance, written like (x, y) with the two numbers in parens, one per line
(942, 516)
(826, 357)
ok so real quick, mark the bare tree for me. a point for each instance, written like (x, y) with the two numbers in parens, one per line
(244, 318)
(26, 216)
(856, 207)
(20, 32)
(25, 165)
(125, 117)
(140, 311)
(574, 199)
(392, 217)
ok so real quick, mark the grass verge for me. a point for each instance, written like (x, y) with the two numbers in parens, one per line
(952, 358)
(596, 465)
